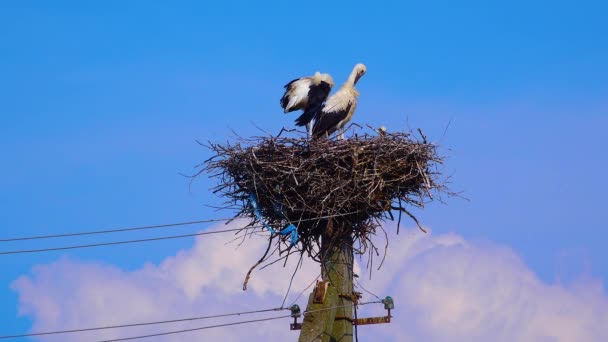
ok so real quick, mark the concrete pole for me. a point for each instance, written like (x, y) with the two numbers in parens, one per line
(337, 268)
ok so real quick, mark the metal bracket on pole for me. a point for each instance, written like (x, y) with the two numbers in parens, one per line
(388, 305)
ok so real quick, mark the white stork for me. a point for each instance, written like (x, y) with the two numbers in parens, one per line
(339, 108)
(307, 93)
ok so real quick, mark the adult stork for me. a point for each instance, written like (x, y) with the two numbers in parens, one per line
(308, 94)
(339, 108)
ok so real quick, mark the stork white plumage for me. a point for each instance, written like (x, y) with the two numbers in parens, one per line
(339, 108)
(308, 94)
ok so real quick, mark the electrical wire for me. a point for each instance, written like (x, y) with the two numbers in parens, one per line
(118, 230)
(358, 284)
(356, 325)
(307, 287)
(138, 241)
(107, 231)
(140, 324)
(227, 324)
(175, 321)
(195, 329)
(291, 280)
(23, 251)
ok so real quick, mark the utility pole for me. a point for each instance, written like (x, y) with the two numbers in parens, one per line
(335, 292)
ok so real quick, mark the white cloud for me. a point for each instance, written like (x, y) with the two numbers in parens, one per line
(448, 289)
(204, 280)
(445, 289)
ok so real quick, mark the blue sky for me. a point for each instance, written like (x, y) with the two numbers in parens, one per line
(101, 105)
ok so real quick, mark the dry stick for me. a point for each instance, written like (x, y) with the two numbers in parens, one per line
(427, 182)
(385, 248)
(412, 217)
(256, 265)
(279, 259)
(399, 221)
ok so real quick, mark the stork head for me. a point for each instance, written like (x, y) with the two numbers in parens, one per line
(359, 70)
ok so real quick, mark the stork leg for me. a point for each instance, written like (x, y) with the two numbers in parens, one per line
(309, 129)
(341, 135)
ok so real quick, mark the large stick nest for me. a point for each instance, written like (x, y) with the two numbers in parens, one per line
(332, 188)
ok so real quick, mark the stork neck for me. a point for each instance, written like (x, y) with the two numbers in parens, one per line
(352, 79)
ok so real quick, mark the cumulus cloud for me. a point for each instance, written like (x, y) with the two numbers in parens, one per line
(445, 288)
(454, 290)
(204, 280)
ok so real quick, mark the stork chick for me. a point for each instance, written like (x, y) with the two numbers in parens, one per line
(381, 131)
(339, 108)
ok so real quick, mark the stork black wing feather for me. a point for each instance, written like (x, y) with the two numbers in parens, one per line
(285, 98)
(316, 97)
(327, 122)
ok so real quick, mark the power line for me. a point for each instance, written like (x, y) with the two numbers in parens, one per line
(307, 287)
(107, 231)
(176, 321)
(196, 329)
(228, 324)
(366, 290)
(23, 251)
(130, 241)
(291, 280)
(139, 324)
(118, 230)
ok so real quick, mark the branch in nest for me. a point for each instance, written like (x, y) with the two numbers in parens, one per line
(257, 264)
(401, 209)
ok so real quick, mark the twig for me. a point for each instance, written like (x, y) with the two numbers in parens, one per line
(257, 263)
